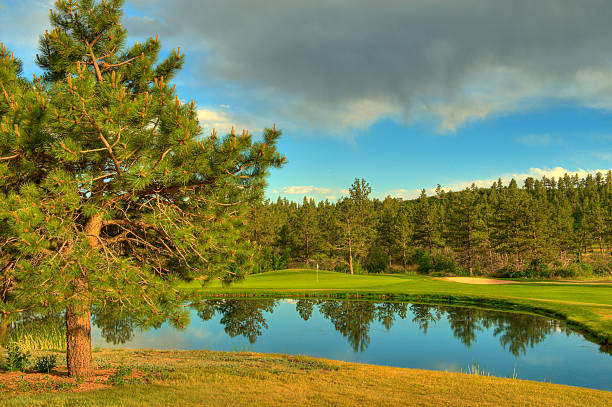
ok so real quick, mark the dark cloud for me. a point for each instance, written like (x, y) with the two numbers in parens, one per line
(346, 63)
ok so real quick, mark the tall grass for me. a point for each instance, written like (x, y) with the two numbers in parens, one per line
(36, 335)
(475, 370)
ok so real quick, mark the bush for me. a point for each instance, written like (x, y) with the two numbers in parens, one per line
(604, 270)
(538, 270)
(44, 364)
(436, 264)
(272, 261)
(341, 268)
(16, 360)
(376, 263)
(344, 268)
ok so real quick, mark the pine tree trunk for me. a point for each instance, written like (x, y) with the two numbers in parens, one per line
(307, 251)
(78, 340)
(348, 222)
(78, 312)
(469, 244)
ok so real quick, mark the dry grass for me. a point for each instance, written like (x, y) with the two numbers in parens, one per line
(193, 378)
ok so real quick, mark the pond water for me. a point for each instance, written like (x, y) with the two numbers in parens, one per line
(393, 334)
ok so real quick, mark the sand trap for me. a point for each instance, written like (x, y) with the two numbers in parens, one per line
(476, 280)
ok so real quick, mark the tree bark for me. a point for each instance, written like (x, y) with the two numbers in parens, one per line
(78, 340)
(78, 312)
(348, 223)
(307, 251)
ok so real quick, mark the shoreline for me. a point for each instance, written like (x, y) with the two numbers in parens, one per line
(190, 378)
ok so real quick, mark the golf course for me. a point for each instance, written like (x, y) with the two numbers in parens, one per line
(159, 377)
(586, 307)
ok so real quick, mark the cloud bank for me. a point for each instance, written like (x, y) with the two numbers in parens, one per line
(338, 65)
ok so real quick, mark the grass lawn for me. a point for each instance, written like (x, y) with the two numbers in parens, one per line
(584, 307)
(194, 378)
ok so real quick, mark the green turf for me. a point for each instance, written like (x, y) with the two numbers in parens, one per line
(204, 378)
(584, 307)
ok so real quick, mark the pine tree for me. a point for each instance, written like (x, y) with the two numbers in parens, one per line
(22, 109)
(109, 191)
(466, 229)
(403, 231)
(332, 233)
(427, 230)
(357, 221)
(385, 236)
(304, 232)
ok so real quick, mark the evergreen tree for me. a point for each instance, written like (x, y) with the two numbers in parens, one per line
(466, 229)
(403, 231)
(385, 229)
(357, 221)
(110, 192)
(332, 233)
(305, 231)
(427, 230)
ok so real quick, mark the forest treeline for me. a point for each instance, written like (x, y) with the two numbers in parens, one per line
(544, 228)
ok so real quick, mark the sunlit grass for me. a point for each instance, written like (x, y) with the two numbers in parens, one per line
(194, 378)
(36, 337)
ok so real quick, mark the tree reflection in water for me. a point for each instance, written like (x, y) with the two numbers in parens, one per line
(240, 317)
(354, 319)
(117, 326)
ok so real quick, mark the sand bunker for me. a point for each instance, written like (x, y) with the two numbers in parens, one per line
(475, 280)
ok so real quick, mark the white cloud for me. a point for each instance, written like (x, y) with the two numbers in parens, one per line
(223, 122)
(297, 192)
(536, 173)
(404, 193)
(306, 189)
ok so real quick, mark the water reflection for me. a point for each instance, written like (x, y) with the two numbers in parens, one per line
(239, 317)
(353, 319)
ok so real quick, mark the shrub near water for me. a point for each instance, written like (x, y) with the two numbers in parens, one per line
(16, 360)
(44, 364)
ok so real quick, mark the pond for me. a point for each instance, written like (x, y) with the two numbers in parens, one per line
(392, 334)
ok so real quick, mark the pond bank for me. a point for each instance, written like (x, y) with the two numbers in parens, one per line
(191, 378)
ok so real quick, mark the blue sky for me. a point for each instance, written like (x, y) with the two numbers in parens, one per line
(406, 94)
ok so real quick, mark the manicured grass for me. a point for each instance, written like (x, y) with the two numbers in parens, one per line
(587, 308)
(194, 378)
